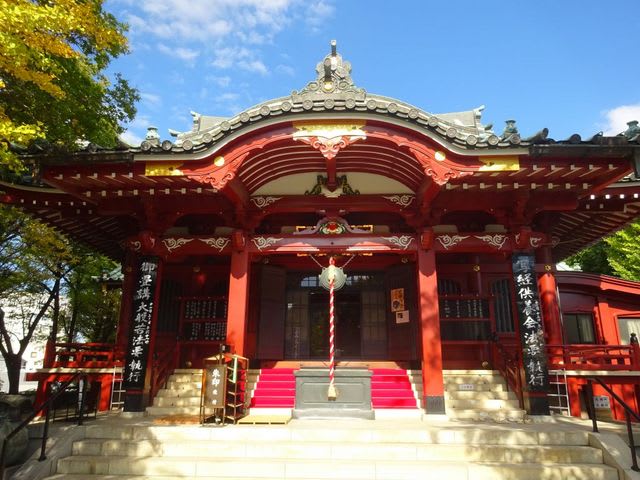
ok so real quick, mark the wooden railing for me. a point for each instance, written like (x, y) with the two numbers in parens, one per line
(593, 357)
(164, 361)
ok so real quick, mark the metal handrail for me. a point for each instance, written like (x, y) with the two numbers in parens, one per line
(45, 433)
(627, 410)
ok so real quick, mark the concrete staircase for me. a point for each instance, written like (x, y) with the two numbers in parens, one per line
(181, 395)
(480, 395)
(334, 449)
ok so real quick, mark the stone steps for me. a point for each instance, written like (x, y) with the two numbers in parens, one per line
(343, 451)
(480, 395)
(181, 395)
(315, 450)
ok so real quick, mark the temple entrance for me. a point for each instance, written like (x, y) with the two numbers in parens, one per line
(360, 312)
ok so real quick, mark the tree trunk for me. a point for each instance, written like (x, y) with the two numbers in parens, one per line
(13, 362)
(71, 332)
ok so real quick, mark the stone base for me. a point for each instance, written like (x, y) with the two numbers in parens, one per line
(333, 413)
(353, 387)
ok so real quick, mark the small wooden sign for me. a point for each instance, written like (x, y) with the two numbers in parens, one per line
(214, 385)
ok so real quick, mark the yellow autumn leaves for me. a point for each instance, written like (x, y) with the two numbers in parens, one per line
(34, 36)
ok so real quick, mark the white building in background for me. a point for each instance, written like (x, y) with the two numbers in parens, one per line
(17, 312)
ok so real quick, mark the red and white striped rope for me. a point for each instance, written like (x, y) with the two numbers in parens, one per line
(332, 326)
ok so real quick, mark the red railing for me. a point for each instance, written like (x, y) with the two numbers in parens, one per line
(593, 357)
(507, 360)
(163, 362)
(85, 355)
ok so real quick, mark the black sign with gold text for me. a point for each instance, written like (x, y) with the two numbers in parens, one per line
(534, 354)
(140, 332)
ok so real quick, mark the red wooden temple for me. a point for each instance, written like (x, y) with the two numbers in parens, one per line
(448, 232)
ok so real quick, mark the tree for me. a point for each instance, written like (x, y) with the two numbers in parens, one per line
(53, 55)
(92, 310)
(33, 261)
(624, 252)
(592, 259)
(618, 255)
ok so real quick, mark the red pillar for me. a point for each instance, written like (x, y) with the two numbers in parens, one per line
(237, 312)
(549, 300)
(432, 380)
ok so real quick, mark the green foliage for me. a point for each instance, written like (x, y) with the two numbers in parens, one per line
(623, 252)
(617, 255)
(39, 269)
(592, 260)
(53, 88)
(92, 310)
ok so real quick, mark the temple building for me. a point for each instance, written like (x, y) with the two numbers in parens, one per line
(445, 235)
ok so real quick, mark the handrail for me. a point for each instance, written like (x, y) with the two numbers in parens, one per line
(510, 369)
(594, 357)
(627, 410)
(45, 433)
(161, 367)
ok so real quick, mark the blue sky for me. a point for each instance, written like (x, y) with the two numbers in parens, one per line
(571, 66)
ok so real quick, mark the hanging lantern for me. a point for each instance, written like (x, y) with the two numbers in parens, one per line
(339, 277)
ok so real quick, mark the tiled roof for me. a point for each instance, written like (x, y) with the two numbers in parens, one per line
(333, 92)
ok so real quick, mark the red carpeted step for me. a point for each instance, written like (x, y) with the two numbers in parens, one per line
(391, 388)
(276, 388)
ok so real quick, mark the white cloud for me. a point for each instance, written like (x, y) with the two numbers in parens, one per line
(130, 138)
(230, 30)
(186, 54)
(222, 82)
(151, 99)
(286, 70)
(255, 66)
(617, 118)
(227, 97)
(318, 12)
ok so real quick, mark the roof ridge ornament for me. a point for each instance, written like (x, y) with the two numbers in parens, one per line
(333, 77)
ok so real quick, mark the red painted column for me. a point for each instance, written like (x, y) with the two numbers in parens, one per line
(432, 380)
(237, 312)
(549, 300)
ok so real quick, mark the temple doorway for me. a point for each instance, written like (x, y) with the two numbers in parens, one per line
(360, 312)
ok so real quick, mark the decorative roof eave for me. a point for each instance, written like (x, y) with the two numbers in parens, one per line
(606, 147)
(462, 139)
(205, 150)
(81, 158)
(601, 282)
(30, 188)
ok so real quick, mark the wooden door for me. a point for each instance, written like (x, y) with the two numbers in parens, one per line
(272, 285)
(401, 324)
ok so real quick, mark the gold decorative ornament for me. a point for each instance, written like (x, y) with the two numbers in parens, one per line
(163, 169)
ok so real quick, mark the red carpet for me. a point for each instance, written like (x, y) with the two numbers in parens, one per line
(276, 388)
(390, 388)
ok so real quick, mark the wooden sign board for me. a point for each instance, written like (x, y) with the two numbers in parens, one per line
(214, 386)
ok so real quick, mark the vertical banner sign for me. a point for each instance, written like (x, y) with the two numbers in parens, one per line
(534, 353)
(139, 335)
